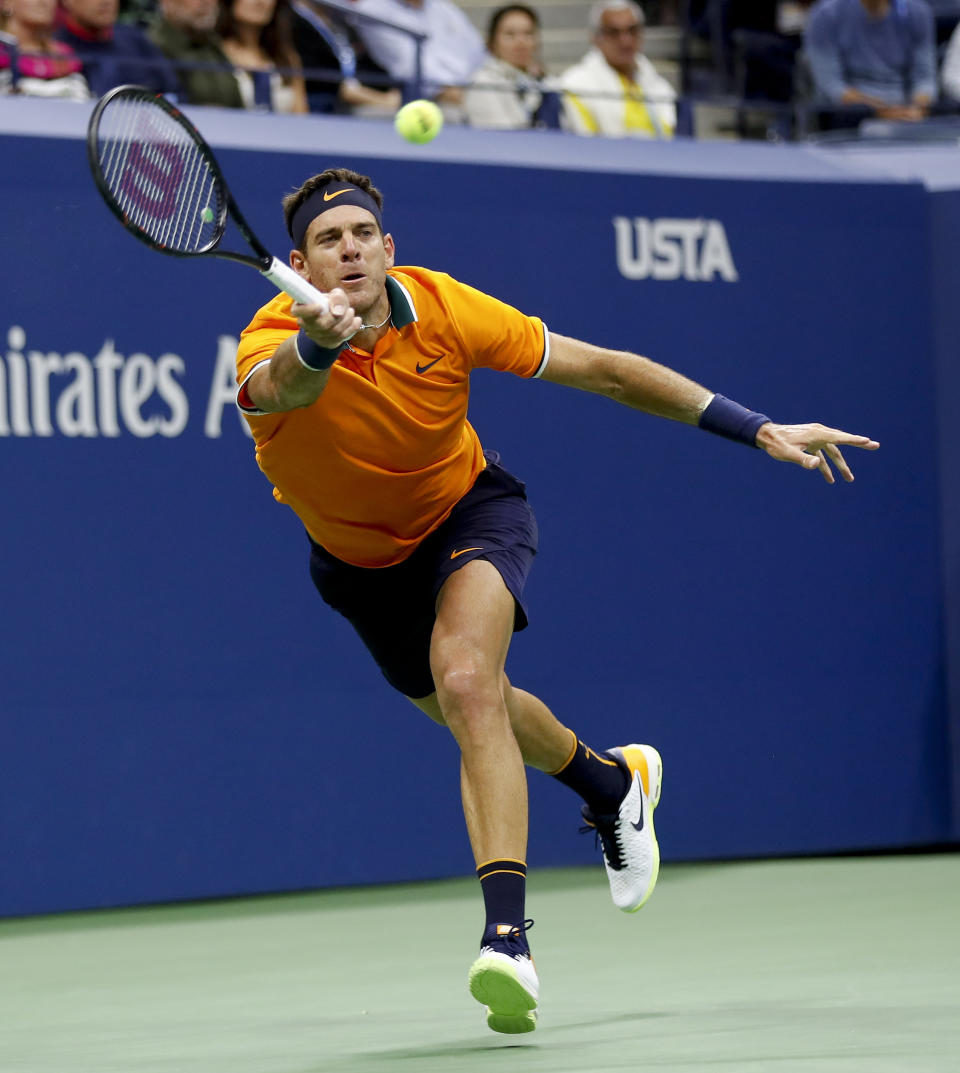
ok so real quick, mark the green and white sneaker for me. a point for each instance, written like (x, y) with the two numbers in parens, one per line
(504, 978)
(630, 850)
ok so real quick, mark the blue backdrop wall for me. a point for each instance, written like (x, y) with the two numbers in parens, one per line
(181, 717)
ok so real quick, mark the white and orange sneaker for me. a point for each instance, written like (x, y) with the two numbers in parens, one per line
(504, 978)
(630, 850)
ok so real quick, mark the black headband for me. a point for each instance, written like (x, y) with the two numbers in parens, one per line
(328, 198)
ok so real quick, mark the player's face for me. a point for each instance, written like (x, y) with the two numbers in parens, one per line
(96, 13)
(620, 38)
(344, 248)
(515, 41)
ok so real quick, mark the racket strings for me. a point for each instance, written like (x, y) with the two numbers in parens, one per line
(158, 177)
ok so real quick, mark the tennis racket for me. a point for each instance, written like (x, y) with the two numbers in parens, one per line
(162, 181)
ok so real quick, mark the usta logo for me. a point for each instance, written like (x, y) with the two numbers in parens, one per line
(673, 249)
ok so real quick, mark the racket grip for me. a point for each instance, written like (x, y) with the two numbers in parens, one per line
(283, 277)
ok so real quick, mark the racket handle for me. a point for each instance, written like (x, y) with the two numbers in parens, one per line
(283, 277)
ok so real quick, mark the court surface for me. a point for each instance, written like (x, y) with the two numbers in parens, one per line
(844, 964)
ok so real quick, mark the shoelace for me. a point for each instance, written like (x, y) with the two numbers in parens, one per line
(604, 829)
(514, 941)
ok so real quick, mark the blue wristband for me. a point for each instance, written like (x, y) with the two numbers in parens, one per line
(729, 419)
(315, 357)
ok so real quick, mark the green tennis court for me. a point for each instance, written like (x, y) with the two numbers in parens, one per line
(843, 964)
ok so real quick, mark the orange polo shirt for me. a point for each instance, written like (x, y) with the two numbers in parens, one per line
(386, 451)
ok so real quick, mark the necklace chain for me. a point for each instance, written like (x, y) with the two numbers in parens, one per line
(363, 327)
(375, 327)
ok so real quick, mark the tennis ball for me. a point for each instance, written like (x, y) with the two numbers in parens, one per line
(419, 122)
(207, 215)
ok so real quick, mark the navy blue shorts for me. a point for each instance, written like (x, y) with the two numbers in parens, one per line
(393, 608)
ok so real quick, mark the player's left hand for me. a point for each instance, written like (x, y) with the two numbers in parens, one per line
(811, 446)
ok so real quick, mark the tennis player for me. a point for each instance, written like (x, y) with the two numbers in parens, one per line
(423, 541)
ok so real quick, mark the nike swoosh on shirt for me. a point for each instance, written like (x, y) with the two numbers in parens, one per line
(429, 365)
(463, 551)
(336, 193)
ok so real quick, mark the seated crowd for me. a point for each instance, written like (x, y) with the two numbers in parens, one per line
(863, 58)
(272, 55)
(842, 61)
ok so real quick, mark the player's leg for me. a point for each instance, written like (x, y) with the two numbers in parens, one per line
(483, 556)
(471, 636)
(418, 620)
(549, 746)
(546, 744)
(475, 619)
(620, 788)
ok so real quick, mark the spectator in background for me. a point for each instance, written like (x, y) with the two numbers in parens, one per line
(112, 53)
(764, 41)
(615, 90)
(186, 33)
(258, 41)
(872, 58)
(452, 51)
(34, 64)
(327, 45)
(950, 69)
(507, 92)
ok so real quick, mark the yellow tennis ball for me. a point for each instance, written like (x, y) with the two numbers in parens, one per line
(419, 122)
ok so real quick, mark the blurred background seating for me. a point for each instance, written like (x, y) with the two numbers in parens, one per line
(738, 68)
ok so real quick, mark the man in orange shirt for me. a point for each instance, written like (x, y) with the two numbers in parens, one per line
(424, 542)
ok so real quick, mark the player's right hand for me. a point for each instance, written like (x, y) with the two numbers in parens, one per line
(331, 326)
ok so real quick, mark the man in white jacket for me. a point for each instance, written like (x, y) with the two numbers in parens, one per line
(615, 90)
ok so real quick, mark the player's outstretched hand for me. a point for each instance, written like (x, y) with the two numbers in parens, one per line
(331, 325)
(811, 446)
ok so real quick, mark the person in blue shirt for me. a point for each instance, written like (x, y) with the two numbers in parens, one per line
(873, 57)
(113, 53)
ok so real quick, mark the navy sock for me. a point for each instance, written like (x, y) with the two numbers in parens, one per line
(598, 779)
(504, 886)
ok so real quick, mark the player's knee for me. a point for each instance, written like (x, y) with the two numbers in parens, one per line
(466, 690)
(461, 682)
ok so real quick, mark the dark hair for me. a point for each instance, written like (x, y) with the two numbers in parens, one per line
(276, 38)
(294, 200)
(497, 17)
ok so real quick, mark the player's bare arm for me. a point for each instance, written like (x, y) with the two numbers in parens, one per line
(286, 383)
(628, 378)
(643, 384)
